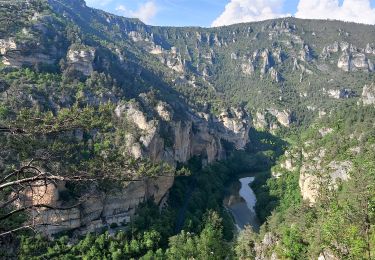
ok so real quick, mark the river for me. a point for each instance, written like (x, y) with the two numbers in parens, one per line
(241, 204)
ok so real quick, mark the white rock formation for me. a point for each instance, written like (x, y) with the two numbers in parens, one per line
(341, 93)
(247, 68)
(344, 62)
(81, 59)
(315, 173)
(260, 121)
(283, 117)
(368, 95)
(306, 54)
(275, 75)
(7, 45)
(354, 61)
(267, 61)
(14, 55)
(164, 111)
(99, 210)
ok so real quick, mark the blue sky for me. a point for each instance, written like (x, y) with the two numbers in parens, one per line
(208, 13)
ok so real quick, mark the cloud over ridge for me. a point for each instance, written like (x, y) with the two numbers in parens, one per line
(238, 11)
(358, 11)
(145, 11)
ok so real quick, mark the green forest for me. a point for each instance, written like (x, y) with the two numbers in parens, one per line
(121, 140)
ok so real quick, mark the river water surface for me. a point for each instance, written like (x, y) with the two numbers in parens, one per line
(241, 204)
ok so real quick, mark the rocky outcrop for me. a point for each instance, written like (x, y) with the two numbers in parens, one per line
(197, 135)
(261, 121)
(359, 61)
(40, 193)
(234, 125)
(339, 171)
(290, 162)
(351, 58)
(275, 75)
(164, 111)
(368, 95)
(370, 49)
(306, 54)
(353, 61)
(267, 61)
(248, 68)
(15, 60)
(265, 248)
(171, 58)
(17, 55)
(327, 255)
(136, 36)
(328, 50)
(7, 45)
(81, 58)
(156, 136)
(341, 93)
(97, 210)
(156, 50)
(316, 173)
(283, 117)
(344, 62)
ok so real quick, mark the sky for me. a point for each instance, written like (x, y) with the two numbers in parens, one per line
(212, 13)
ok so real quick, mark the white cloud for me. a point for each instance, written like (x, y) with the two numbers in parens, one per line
(359, 11)
(95, 3)
(145, 12)
(239, 11)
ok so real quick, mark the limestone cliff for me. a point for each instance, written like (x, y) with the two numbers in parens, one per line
(96, 209)
(81, 58)
(158, 136)
(368, 94)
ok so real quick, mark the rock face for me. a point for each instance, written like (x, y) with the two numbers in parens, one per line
(314, 174)
(171, 58)
(267, 61)
(328, 50)
(158, 138)
(99, 209)
(344, 62)
(198, 135)
(234, 126)
(290, 161)
(327, 255)
(17, 55)
(275, 75)
(283, 117)
(352, 60)
(368, 95)
(7, 45)
(260, 121)
(351, 57)
(160, 133)
(341, 93)
(40, 194)
(81, 59)
(248, 68)
(264, 249)
(306, 54)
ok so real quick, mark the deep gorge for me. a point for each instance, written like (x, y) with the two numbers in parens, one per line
(121, 140)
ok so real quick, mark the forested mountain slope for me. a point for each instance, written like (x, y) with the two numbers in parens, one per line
(100, 113)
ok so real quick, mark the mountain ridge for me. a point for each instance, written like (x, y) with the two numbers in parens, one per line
(152, 100)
